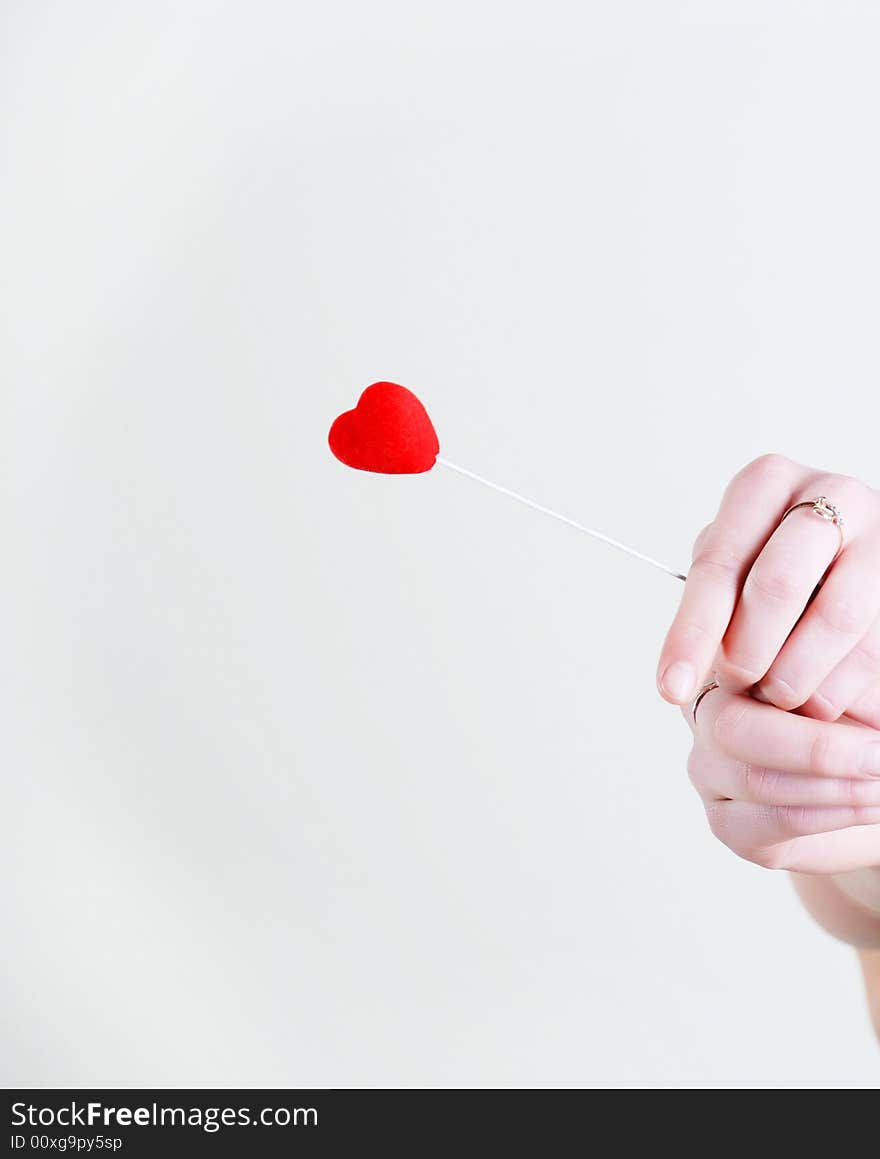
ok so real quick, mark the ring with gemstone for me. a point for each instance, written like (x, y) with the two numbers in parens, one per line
(825, 509)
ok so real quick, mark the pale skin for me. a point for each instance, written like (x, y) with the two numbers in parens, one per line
(786, 752)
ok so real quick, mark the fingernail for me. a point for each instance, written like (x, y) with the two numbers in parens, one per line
(829, 711)
(679, 681)
(778, 692)
(871, 759)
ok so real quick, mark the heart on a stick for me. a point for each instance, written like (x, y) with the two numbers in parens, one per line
(388, 431)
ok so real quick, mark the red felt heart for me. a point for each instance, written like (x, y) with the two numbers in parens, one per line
(388, 431)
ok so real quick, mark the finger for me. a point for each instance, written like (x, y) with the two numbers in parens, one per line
(837, 619)
(774, 595)
(837, 852)
(761, 734)
(754, 831)
(723, 556)
(852, 679)
(724, 778)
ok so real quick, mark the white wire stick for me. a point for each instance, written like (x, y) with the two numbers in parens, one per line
(562, 518)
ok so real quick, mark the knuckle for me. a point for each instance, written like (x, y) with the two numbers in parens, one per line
(690, 630)
(727, 724)
(821, 760)
(867, 653)
(841, 614)
(766, 468)
(779, 585)
(847, 791)
(701, 539)
(860, 794)
(759, 782)
(842, 489)
(732, 674)
(797, 820)
(718, 558)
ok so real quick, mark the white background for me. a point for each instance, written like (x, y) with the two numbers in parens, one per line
(317, 777)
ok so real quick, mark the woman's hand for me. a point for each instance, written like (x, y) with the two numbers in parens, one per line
(742, 616)
(787, 791)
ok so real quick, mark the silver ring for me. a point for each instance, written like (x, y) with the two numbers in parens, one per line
(706, 688)
(826, 510)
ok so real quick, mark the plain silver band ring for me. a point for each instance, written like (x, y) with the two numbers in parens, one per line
(706, 688)
(826, 510)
